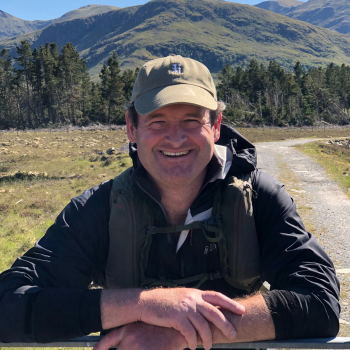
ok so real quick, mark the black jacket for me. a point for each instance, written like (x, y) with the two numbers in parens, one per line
(44, 296)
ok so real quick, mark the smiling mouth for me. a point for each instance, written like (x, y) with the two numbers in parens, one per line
(172, 154)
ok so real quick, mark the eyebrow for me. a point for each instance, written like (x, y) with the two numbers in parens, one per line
(160, 115)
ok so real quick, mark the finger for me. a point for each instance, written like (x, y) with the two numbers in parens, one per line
(203, 329)
(218, 299)
(187, 330)
(215, 316)
(110, 339)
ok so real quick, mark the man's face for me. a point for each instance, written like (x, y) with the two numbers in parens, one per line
(175, 143)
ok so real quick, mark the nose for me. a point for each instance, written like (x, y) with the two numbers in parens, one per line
(175, 136)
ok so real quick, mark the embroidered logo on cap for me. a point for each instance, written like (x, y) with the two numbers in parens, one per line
(177, 68)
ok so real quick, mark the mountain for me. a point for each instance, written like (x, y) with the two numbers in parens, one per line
(330, 14)
(12, 26)
(279, 6)
(213, 32)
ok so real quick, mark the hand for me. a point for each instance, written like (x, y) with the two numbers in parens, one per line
(142, 336)
(189, 310)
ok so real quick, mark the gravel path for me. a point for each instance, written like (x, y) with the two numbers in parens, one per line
(329, 206)
(330, 213)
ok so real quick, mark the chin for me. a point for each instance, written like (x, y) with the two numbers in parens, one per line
(176, 176)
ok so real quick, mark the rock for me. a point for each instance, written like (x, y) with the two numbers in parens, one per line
(101, 153)
(93, 158)
(124, 148)
(111, 151)
(103, 158)
(24, 175)
(108, 161)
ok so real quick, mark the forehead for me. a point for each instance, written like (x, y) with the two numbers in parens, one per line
(178, 110)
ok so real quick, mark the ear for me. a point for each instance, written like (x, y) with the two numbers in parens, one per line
(216, 128)
(130, 128)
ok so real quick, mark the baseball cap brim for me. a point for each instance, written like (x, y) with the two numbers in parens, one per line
(154, 99)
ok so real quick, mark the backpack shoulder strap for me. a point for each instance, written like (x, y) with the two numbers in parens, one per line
(125, 236)
(236, 210)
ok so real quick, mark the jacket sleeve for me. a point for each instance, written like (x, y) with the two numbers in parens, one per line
(304, 294)
(44, 296)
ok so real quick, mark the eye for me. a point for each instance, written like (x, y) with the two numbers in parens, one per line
(192, 122)
(157, 123)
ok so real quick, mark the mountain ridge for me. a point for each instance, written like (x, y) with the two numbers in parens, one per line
(12, 26)
(279, 6)
(213, 32)
(330, 14)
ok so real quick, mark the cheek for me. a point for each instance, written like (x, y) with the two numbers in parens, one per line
(146, 140)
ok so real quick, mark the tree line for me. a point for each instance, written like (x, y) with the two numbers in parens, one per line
(270, 95)
(47, 88)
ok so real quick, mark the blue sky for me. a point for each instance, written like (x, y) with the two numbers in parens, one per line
(49, 9)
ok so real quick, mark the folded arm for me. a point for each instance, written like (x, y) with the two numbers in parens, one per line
(255, 324)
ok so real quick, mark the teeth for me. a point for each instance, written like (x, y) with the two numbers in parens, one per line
(171, 154)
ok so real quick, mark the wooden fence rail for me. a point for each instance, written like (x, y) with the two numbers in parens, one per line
(317, 343)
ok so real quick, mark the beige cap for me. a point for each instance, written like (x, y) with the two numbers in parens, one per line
(173, 79)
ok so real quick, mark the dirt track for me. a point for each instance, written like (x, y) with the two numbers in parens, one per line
(323, 204)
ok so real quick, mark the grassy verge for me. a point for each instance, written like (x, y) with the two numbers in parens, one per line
(269, 134)
(334, 158)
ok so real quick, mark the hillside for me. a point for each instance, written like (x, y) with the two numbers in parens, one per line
(330, 14)
(212, 32)
(11, 26)
(279, 6)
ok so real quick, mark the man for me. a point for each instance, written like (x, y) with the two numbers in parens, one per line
(193, 211)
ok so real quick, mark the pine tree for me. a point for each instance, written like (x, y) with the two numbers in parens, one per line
(85, 94)
(24, 77)
(51, 91)
(37, 84)
(7, 110)
(128, 79)
(72, 68)
(112, 91)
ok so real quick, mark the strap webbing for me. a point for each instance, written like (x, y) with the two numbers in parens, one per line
(152, 282)
(203, 225)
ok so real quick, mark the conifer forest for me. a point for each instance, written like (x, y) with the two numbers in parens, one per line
(48, 88)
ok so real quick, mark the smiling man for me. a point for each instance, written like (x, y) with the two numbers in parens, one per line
(192, 212)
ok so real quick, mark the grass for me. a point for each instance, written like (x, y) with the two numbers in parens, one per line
(70, 163)
(273, 134)
(334, 158)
